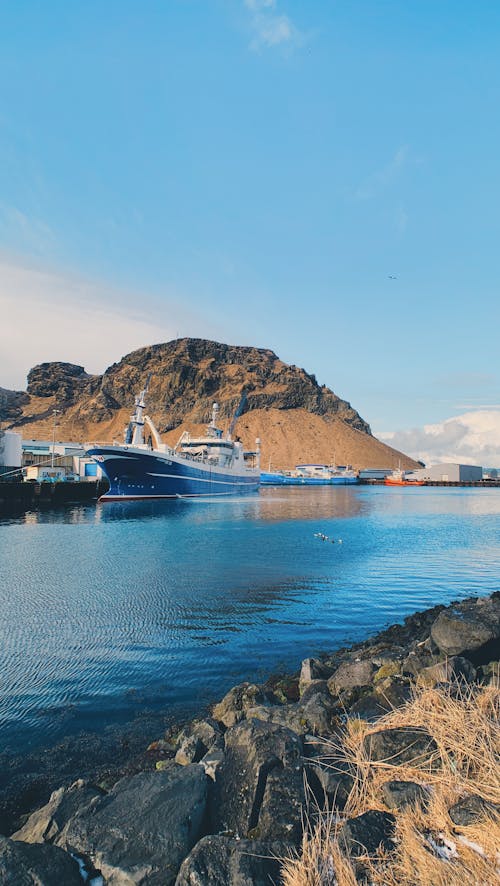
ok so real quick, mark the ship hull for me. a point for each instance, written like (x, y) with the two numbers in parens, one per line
(390, 482)
(144, 474)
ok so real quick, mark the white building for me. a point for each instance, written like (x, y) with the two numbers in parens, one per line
(449, 473)
(10, 451)
(70, 460)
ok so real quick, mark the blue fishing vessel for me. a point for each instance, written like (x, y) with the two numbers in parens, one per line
(213, 464)
(311, 475)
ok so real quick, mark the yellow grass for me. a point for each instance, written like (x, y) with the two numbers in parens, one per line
(464, 723)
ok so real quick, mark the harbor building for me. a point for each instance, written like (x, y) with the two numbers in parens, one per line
(47, 461)
(374, 473)
(448, 472)
(10, 452)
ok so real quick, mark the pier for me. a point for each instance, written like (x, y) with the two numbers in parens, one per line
(20, 496)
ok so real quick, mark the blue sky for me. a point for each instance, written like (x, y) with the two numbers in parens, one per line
(255, 171)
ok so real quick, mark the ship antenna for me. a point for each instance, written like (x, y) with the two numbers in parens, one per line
(134, 434)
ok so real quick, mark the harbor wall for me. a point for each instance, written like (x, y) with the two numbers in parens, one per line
(18, 497)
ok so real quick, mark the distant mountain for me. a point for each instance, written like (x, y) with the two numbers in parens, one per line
(297, 419)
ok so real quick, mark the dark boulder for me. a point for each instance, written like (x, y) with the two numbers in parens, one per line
(27, 864)
(143, 829)
(44, 825)
(259, 788)
(236, 703)
(364, 834)
(330, 785)
(471, 629)
(400, 794)
(408, 744)
(314, 713)
(393, 692)
(223, 861)
(471, 809)
(448, 671)
(350, 675)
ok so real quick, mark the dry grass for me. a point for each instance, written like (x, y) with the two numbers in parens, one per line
(429, 848)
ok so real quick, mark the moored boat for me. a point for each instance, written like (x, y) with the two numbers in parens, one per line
(400, 478)
(212, 464)
(311, 475)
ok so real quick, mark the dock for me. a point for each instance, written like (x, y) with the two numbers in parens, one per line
(19, 497)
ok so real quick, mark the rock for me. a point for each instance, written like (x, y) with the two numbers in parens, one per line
(46, 823)
(491, 673)
(143, 829)
(417, 660)
(65, 380)
(471, 628)
(351, 674)
(329, 777)
(447, 671)
(364, 834)
(331, 787)
(471, 809)
(369, 707)
(223, 861)
(408, 744)
(400, 794)
(285, 689)
(388, 669)
(394, 691)
(26, 864)
(313, 713)
(312, 669)
(211, 762)
(208, 731)
(242, 802)
(236, 703)
(191, 750)
(391, 692)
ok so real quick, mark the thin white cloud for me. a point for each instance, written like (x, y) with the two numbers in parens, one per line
(477, 406)
(31, 232)
(46, 315)
(470, 438)
(270, 27)
(379, 180)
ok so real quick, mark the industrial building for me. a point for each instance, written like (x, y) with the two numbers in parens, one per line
(448, 473)
(44, 460)
(10, 452)
(55, 461)
(374, 473)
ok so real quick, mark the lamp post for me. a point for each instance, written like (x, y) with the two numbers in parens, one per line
(55, 413)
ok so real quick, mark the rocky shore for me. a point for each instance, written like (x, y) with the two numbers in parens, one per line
(222, 801)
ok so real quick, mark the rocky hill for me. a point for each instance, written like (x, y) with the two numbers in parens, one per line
(296, 418)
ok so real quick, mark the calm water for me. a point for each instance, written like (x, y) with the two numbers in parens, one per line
(110, 609)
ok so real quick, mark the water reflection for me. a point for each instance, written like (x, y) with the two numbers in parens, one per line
(269, 505)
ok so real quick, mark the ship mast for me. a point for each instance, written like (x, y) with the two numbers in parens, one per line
(134, 435)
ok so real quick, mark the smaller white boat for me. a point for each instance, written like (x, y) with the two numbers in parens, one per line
(311, 475)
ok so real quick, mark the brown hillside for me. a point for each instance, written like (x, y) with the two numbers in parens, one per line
(296, 419)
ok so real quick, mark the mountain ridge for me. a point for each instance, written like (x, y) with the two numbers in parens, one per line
(297, 419)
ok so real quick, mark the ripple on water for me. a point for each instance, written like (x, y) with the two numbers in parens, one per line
(110, 609)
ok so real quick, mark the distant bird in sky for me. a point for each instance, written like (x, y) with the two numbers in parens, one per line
(392, 277)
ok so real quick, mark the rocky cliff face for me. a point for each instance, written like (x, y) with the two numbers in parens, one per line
(11, 405)
(187, 376)
(64, 380)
